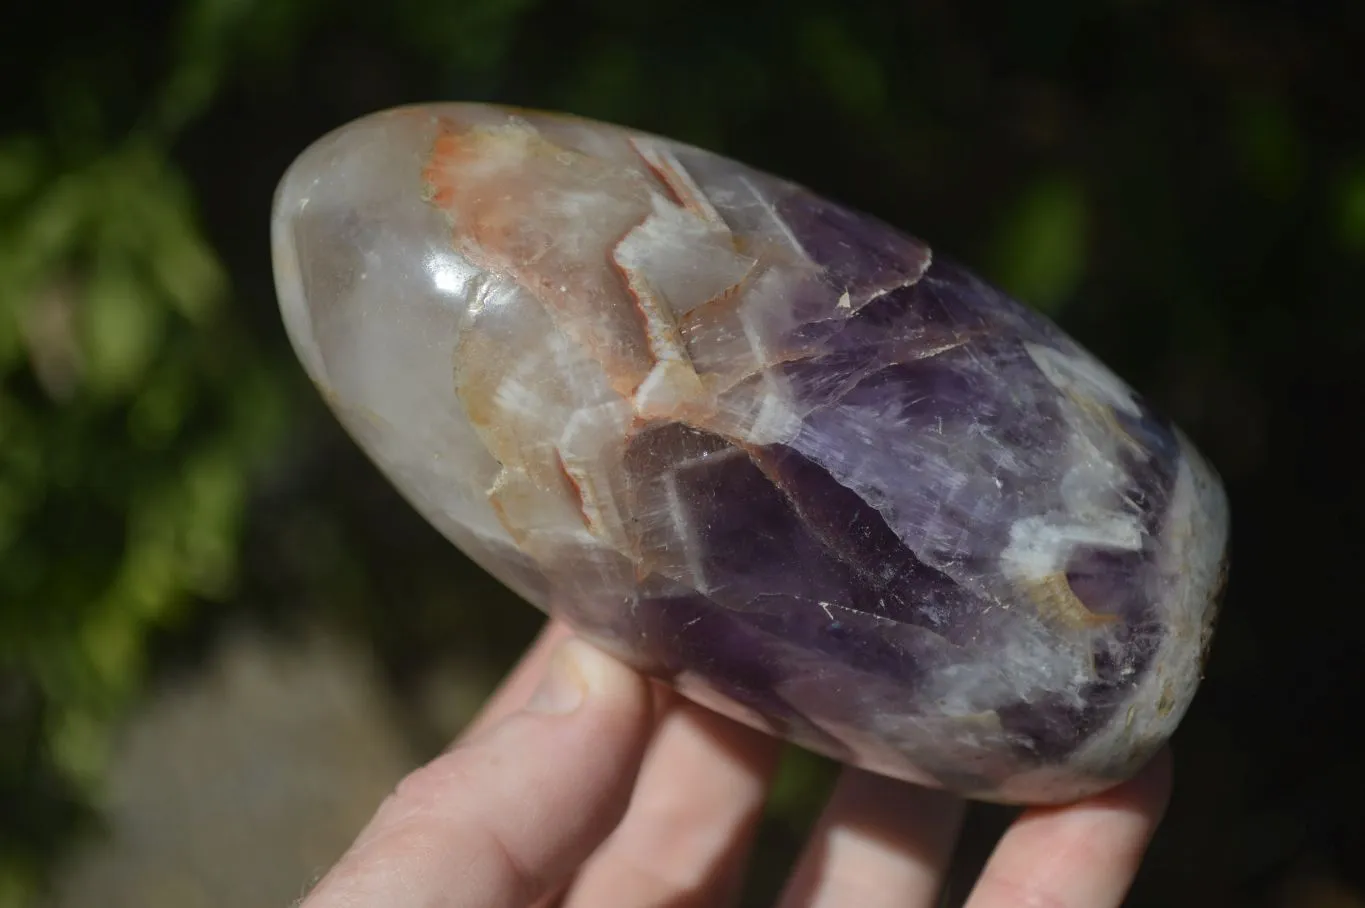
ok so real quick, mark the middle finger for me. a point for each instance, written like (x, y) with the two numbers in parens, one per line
(686, 835)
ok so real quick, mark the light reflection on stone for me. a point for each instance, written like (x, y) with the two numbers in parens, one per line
(759, 444)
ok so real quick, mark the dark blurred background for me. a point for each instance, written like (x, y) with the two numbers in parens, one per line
(222, 636)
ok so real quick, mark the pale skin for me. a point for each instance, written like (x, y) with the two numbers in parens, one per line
(584, 785)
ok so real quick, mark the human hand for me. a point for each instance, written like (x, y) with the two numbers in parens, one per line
(582, 785)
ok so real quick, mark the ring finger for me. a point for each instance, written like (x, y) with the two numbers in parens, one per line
(878, 843)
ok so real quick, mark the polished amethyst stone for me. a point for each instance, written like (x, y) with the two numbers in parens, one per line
(760, 445)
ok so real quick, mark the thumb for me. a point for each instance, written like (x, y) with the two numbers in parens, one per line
(508, 815)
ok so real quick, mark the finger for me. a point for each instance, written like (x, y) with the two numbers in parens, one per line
(508, 815)
(685, 838)
(521, 681)
(1084, 855)
(878, 843)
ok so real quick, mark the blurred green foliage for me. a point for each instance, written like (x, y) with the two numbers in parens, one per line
(1183, 184)
(131, 413)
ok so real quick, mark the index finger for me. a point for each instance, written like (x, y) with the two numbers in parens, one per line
(521, 681)
(507, 816)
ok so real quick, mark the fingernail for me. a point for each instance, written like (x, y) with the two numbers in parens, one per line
(562, 689)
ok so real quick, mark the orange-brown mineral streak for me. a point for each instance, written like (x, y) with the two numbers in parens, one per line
(499, 497)
(672, 174)
(721, 316)
(713, 314)
(665, 344)
(509, 400)
(482, 370)
(1056, 603)
(597, 500)
(527, 208)
(468, 183)
(575, 485)
(673, 389)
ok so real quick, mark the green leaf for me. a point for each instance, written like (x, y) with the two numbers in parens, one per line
(122, 323)
(18, 882)
(53, 226)
(161, 406)
(186, 268)
(79, 742)
(851, 73)
(800, 785)
(1267, 140)
(1041, 243)
(21, 167)
(209, 31)
(1351, 210)
(473, 35)
(214, 495)
(609, 85)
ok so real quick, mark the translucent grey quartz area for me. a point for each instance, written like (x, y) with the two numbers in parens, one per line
(758, 444)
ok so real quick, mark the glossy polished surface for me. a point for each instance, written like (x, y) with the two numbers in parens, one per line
(758, 444)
